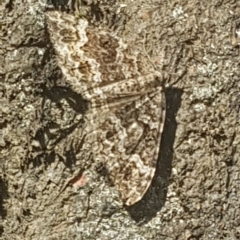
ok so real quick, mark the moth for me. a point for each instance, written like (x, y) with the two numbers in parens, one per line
(126, 114)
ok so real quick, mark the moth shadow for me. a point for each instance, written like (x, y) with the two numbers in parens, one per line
(154, 199)
(45, 136)
(75, 100)
(4, 195)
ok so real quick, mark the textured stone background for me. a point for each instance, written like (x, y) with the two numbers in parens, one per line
(195, 193)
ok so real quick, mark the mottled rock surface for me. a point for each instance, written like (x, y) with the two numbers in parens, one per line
(195, 191)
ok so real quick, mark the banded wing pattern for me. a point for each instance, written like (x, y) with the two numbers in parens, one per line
(125, 119)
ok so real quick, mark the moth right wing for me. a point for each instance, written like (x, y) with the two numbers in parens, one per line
(128, 140)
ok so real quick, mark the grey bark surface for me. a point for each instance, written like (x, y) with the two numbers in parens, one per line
(196, 188)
